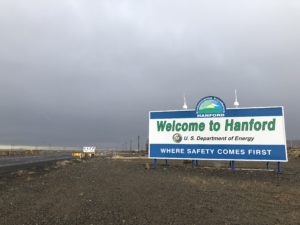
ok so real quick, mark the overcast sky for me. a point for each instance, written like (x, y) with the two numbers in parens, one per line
(77, 72)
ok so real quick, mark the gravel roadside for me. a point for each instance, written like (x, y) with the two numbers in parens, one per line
(106, 191)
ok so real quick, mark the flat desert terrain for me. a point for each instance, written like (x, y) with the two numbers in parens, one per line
(124, 190)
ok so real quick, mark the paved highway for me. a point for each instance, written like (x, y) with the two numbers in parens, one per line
(16, 161)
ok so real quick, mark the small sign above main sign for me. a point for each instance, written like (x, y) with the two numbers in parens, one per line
(212, 132)
(90, 149)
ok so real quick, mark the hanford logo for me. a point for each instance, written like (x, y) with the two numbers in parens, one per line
(210, 106)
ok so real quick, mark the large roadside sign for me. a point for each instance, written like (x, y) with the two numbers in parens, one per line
(212, 132)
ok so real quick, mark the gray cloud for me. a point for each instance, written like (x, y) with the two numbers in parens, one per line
(78, 72)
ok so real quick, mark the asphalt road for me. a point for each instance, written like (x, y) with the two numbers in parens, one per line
(8, 163)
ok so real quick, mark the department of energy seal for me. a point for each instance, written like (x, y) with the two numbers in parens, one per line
(177, 138)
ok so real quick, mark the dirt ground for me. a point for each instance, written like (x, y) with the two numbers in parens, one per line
(125, 191)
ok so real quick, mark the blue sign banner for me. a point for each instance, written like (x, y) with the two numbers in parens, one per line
(243, 112)
(219, 152)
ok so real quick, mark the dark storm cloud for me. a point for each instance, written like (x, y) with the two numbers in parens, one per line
(80, 72)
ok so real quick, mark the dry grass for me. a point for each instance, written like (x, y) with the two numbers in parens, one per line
(20, 152)
(128, 157)
(294, 153)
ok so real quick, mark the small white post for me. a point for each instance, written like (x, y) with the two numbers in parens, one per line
(184, 103)
(236, 103)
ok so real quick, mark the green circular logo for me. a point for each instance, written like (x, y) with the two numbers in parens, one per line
(210, 106)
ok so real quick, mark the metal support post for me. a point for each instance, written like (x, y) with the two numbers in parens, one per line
(197, 163)
(268, 165)
(154, 163)
(193, 164)
(278, 170)
(166, 163)
(233, 165)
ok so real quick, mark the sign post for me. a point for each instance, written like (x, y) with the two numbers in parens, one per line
(212, 132)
